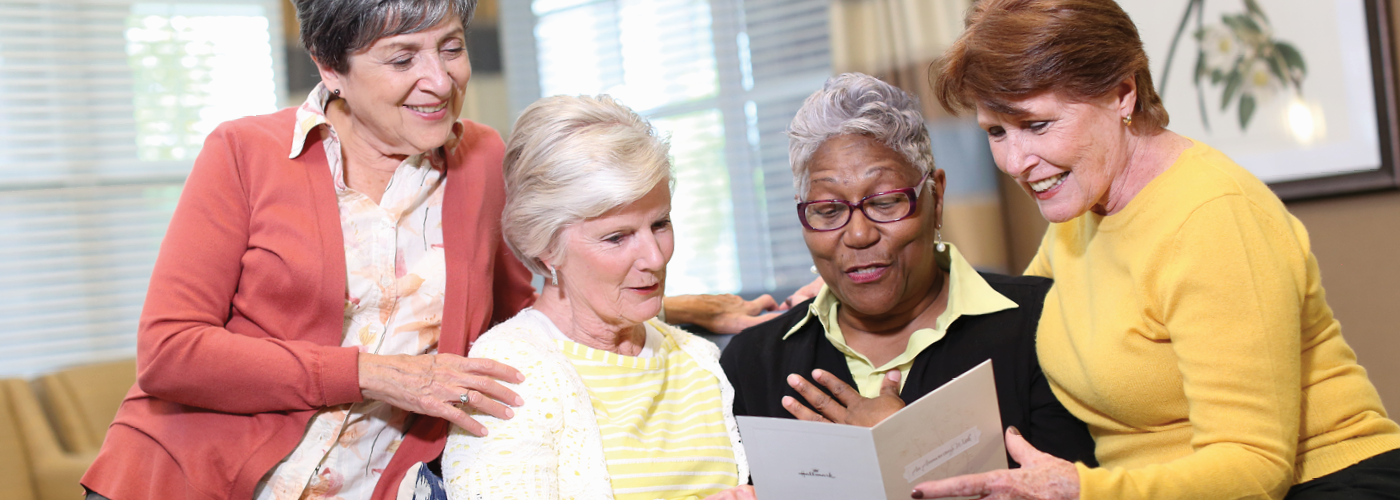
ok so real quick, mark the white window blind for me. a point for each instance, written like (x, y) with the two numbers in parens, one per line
(723, 79)
(103, 106)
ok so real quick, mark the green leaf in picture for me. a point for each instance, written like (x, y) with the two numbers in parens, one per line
(1253, 8)
(1251, 25)
(1294, 58)
(1246, 110)
(1278, 67)
(1233, 82)
(1201, 69)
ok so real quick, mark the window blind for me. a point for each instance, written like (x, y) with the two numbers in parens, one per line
(721, 78)
(103, 106)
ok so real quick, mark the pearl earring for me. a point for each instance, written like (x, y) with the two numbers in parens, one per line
(938, 238)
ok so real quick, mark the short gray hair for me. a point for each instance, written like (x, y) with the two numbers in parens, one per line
(855, 103)
(571, 158)
(333, 29)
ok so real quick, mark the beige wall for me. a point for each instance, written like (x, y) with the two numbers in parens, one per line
(1357, 242)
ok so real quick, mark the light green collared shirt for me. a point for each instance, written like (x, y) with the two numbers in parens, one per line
(968, 295)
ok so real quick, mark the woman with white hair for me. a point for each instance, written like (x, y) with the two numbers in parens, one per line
(616, 403)
(901, 312)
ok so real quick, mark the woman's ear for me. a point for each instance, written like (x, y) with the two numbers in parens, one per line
(940, 180)
(328, 76)
(1125, 95)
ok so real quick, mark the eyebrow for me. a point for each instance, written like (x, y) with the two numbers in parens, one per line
(395, 46)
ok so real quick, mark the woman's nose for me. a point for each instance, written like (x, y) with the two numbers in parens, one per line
(860, 231)
(650, 256)
(434, 77)
(1014, 159)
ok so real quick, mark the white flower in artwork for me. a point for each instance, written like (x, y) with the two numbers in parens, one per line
(1259, 81)
(1220, 46)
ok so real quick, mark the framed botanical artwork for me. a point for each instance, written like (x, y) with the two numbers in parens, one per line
(1300, 92)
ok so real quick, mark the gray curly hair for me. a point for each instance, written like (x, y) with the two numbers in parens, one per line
(856, 103)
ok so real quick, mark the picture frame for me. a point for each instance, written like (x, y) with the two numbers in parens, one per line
(1302, 93)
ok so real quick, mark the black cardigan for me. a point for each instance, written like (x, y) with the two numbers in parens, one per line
(758, 361)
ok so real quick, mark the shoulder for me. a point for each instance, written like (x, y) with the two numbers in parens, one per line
(273, 128)
(689, 342)
(478, 145)
(1023, 290)
(769, 334)
(1203, 176)
(520, 341)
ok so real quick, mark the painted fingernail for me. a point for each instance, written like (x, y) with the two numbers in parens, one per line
(509, 414)
(519, 377)
(519, 401)
(916, 494)
(1014, 430)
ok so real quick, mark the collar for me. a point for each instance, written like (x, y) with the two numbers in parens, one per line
(968, 295)
(311, 114)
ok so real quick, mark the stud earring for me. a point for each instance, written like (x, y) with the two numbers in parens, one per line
(1128, 121)
(814, 270)
(938, 239)
(336, 92)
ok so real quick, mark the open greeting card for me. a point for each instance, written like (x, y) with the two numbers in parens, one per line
(951, 431)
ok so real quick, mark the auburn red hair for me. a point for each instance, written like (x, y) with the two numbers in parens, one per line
(1012, 49)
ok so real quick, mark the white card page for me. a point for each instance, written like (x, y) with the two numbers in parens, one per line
(954, 430)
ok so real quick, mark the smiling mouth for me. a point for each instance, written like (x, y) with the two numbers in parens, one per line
(1047, 184)
(427, 109)
(867, 273)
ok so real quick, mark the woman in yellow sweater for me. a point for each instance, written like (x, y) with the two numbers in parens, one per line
(1187, 310)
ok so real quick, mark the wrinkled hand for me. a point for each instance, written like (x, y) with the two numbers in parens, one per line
(849, 407)
(723, 313)
(802, 294)
(431, 384)
(744, 492)
(1041, 477)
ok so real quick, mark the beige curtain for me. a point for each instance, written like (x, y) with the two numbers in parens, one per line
(898, 41)
(895, 40)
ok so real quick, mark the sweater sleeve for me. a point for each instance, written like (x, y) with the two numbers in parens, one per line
(518, 458)
(184, 352)
(1229, 294)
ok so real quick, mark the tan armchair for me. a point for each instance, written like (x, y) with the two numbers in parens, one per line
(53, 473)
(15, 476)
(84, 400)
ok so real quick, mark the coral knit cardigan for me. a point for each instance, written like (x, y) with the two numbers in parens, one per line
(239, 341)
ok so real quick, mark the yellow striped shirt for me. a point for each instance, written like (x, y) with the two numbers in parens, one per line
(661, 419)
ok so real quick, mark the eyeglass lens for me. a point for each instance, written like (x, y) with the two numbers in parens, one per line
(887, 207)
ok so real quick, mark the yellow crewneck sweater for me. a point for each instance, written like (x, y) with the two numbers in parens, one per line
(1181, 330)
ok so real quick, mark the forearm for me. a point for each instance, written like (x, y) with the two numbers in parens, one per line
(210, 367)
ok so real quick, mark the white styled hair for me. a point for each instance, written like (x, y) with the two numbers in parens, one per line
(856, 103)
(571, 158)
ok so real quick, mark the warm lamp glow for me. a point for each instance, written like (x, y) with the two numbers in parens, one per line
(1305, 121)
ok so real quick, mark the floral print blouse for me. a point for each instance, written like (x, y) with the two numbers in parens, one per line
(395, 281)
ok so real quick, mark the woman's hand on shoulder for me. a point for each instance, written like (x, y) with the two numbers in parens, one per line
(744, 492)
(848, 406)
(720, 313)
(434, 384)
(1041, 477)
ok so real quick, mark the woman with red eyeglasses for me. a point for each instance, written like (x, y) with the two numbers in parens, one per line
(901, 312)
